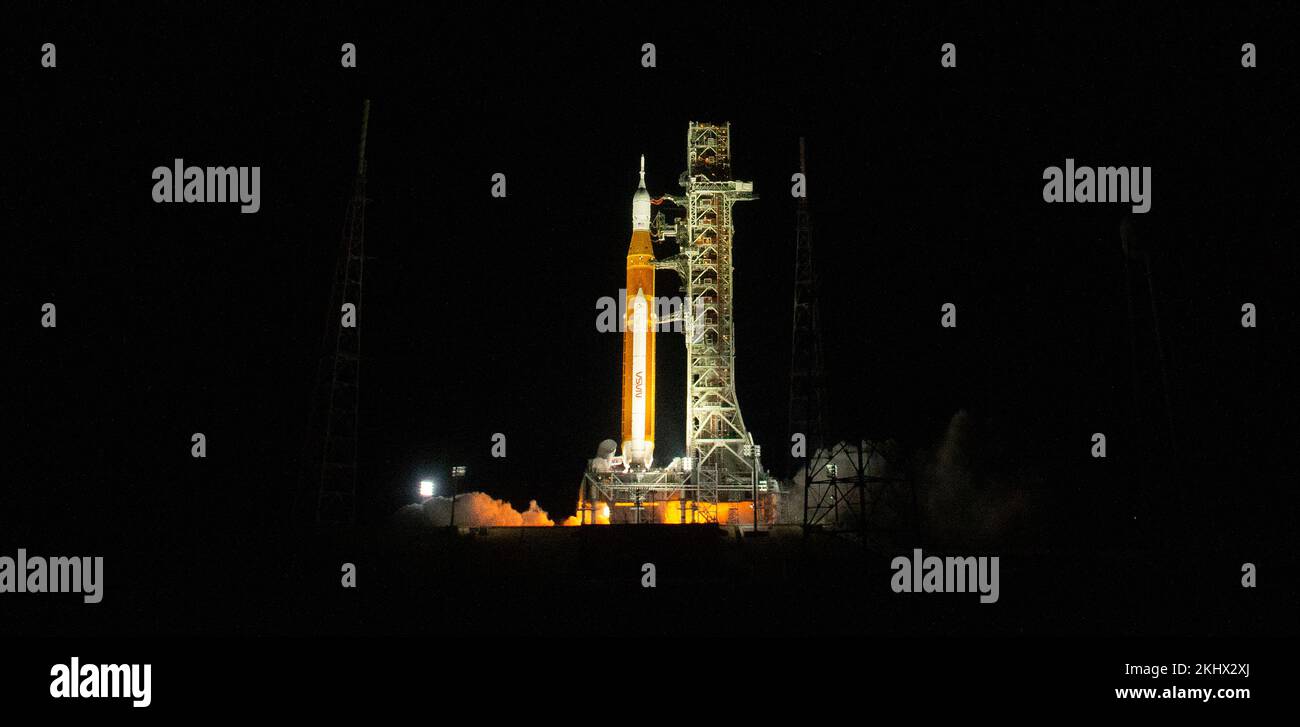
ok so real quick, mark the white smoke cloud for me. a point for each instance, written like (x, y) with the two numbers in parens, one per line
(960, 501)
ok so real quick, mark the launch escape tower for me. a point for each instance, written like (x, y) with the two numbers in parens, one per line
(337, 483)
(720, 467)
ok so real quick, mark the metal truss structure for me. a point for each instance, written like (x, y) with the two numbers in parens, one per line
(808, 401)
(337, 484)
(667, 495)
(848, 488)
(716, 436)
(639, 491)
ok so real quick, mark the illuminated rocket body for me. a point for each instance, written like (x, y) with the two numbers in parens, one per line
(639, 337)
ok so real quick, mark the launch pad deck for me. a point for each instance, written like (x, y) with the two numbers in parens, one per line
(671, 495)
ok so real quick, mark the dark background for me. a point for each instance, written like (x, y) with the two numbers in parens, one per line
(479, 313)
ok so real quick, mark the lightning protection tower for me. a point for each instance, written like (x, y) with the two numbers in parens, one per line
(337, 484)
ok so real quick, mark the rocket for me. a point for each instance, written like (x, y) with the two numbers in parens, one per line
(639, 337)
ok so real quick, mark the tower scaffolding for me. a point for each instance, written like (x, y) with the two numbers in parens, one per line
(716, 436)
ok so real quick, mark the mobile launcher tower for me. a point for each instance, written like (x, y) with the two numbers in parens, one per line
(721, 477)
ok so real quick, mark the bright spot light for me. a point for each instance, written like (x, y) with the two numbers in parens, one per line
(426, 488)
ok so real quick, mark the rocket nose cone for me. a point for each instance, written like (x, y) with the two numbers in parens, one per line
(641, 203)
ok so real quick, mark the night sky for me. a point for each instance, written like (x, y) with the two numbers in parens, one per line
(479, 313)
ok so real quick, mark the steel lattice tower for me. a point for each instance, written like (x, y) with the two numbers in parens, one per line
(808, 400)
(336, 492)
(715, 430)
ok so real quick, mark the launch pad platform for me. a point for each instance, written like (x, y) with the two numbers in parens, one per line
(670, 495)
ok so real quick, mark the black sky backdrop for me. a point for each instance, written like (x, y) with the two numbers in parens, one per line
(479, 314)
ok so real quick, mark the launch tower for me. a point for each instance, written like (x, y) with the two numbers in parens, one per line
(716, 438)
